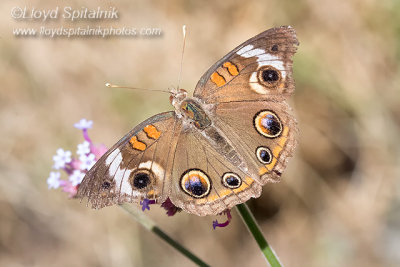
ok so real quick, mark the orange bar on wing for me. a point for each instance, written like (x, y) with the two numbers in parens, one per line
(231, 68)
(217, 79)
(136, 144)
(152, 131)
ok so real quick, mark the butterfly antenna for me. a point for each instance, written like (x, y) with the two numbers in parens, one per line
(183, 51)
(110, 85)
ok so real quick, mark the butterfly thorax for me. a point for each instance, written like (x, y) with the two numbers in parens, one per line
(189, 109)
(198, 115)
(193, 111)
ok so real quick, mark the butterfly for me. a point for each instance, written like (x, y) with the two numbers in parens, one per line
(215, 149)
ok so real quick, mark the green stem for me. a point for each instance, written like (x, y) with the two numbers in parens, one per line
(255, 230)
(147, 223)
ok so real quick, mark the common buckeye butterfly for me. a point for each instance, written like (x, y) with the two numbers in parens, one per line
(216, 149)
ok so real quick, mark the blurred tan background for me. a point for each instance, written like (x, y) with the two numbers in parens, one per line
(339, 201)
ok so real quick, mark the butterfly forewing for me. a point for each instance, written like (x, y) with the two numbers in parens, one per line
(260, 68)
(136, 167)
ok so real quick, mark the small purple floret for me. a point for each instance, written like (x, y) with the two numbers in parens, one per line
(83, 124)
(226, 223)
(146, 203)
(170, 207)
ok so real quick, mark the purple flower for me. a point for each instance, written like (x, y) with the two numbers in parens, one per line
(84, 148)
(170, 208)
(69, 188)
(98, 150)
(75, 164)
(76, 177)
(87, 161)
(146, 203)
(61, 158)
(54, 180)
(83, 124)
(226, 223)
(75, 168)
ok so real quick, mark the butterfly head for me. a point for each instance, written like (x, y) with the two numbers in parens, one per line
(177, 96)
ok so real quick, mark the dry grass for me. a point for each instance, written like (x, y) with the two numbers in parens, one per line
(338, 204)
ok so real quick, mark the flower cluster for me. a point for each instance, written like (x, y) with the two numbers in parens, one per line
(87, 155)
(75, 167)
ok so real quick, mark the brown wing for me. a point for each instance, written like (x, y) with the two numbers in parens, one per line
(260, 68)
(137, 167)
(204, 181)
(255, 141)
(263, 132)
(256, 133)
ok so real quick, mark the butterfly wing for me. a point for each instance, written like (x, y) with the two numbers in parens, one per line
(244, 95)
(227, 163)
(260, 68)
(248, 88)
(136, 167)
(264, 134)
(204, 181)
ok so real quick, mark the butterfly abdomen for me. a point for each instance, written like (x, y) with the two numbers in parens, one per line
(194, 112)
(222, 146)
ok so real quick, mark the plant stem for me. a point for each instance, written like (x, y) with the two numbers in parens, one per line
(147, 223)
(255, 230)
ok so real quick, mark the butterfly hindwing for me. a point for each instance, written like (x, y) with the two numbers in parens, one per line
(204, 181)
(264, 133)
(254, 141)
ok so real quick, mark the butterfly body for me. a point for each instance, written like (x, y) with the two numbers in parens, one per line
(195, 113)
(217, 148)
